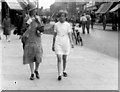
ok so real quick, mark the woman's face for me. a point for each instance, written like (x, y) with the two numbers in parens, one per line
(62, 17)
(33, 12)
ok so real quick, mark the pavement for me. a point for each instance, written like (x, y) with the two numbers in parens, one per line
(99, 26)
(87, 69)
(104, 41)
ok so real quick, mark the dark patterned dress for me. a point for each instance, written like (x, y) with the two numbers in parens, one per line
(6, 26)
(33, 47)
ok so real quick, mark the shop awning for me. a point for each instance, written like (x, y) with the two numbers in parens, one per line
(14, 4)
(115, 8)
(23, 3)
(104, 7)
(98, 11)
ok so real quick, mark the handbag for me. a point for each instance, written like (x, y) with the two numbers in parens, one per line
(39, 29)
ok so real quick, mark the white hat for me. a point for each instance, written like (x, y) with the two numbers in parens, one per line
(31, 6)
(63, 11)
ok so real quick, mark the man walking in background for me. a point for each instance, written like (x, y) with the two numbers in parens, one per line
(83, 20)
(7, 27)
(88, 22)
(104, 21)
(92, 15)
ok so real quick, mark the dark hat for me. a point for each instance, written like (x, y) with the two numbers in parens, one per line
(31, 6)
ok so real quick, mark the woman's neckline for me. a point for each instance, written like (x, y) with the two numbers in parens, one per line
(62, 22)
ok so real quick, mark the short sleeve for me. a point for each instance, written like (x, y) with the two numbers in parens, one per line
(29, 21)
(69, 28)
(39, 19)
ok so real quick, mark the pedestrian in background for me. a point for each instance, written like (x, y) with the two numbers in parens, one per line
(83, 20)
(88, 22)
(33, 46)
(93, 16)
(104, 21)
(19, 23)
(62, 42)
(7, 27)
(114, 21)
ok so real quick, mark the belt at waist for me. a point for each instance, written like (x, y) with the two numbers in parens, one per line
(61, 35)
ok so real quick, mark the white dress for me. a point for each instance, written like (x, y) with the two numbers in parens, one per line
(62, 41)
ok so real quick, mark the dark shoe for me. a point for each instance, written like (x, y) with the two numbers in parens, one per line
(64, 74)
(32, 77)
(59, 78)
(37, 74)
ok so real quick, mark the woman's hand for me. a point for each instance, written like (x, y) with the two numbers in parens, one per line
(53, 48)
(38, 33)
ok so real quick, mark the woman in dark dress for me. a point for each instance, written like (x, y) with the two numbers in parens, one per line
(33, 47)
(7, 27)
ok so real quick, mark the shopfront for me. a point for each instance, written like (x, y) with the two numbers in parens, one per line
(12, 8)
(104, 9)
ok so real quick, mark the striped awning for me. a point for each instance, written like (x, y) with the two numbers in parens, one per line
(104, 7)
(115, 8)
(14, 4)
(98, 11)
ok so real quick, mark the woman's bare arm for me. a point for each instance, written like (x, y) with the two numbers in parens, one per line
(71, 41)
(54, 37)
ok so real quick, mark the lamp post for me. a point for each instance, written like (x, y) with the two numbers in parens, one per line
(118, 19)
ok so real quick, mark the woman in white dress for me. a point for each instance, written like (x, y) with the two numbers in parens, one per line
(62, 42)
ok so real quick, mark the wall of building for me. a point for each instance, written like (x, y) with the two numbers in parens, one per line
(73, 8)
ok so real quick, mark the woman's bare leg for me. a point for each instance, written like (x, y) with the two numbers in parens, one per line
(59, 59)
(32, 68)
(64, 62)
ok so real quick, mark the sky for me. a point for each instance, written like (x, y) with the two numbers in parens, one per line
(46, 3)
